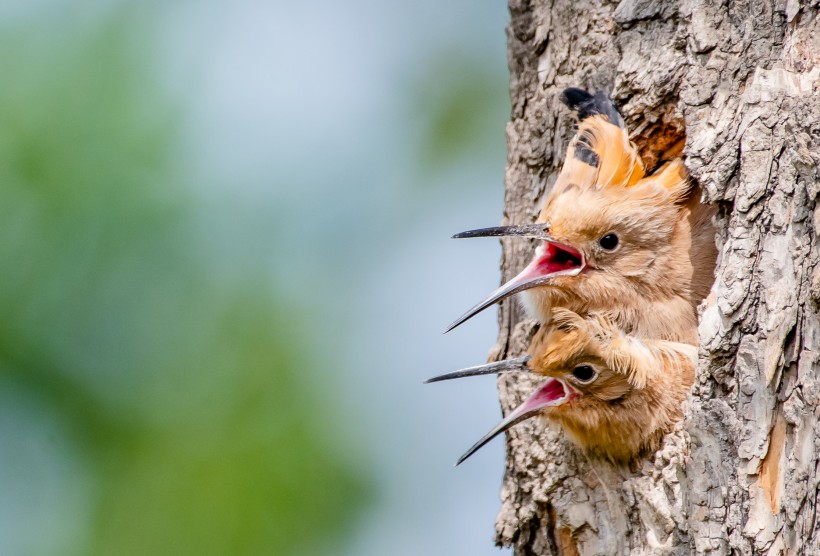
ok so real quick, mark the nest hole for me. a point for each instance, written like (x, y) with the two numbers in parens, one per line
(660, 135)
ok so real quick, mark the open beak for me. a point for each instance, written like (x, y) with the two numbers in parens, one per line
(537, 231)
(553, 392)
(518, 364)
(552, 259)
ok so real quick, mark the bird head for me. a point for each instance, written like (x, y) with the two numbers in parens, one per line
(606, 229)
(611, 392)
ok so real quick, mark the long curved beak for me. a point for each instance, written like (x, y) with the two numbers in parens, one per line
(552, 393)
(537, 231)
(551, 259)
(518, 364)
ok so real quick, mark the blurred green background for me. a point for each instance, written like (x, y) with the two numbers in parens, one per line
(225, 271)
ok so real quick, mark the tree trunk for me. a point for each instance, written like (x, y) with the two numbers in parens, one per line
(740, 83)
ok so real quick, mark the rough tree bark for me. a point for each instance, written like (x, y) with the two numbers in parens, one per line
(741, 82)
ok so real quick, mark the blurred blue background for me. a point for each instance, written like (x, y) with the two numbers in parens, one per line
(226, 269)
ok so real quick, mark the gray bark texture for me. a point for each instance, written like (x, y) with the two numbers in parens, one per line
(740, 81)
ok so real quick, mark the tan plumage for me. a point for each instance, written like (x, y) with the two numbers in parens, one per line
(619, 165)
(636, 395)
(624, 260)
(663, 265)
(639, 300)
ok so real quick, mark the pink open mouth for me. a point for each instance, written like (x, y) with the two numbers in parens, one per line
(552, 393)
(555, 257)
(551, 259)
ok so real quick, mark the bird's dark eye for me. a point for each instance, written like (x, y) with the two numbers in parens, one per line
(609, 242)
(584, 373)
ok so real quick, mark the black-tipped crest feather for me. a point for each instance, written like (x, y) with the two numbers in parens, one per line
(587, 105)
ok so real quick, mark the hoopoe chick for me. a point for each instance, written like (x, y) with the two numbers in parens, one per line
(613, 394)
(614, 238)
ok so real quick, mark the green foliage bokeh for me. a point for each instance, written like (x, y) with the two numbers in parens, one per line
(183, 397)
